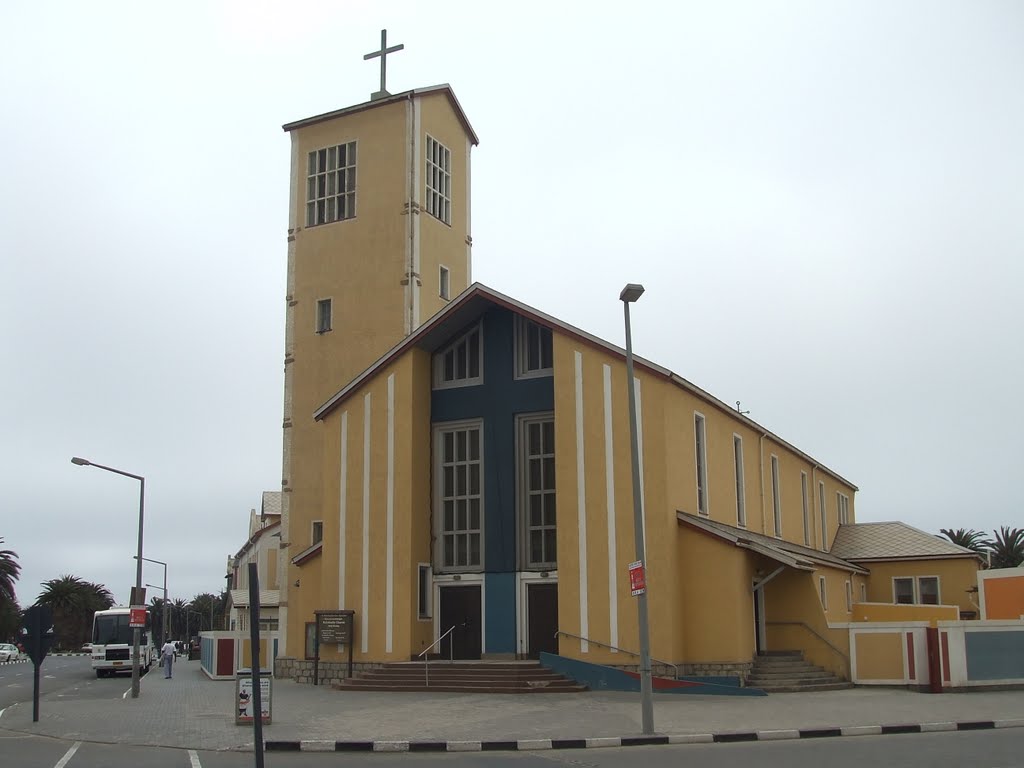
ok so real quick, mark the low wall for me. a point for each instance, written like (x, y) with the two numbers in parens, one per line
(221, 654)
(971, 654)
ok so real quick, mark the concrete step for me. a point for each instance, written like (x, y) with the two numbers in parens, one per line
(836, 686)
(795, 674)
(462, 688)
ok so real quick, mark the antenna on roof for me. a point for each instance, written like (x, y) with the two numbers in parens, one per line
(741, 413)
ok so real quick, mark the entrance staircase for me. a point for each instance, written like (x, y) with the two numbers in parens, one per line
(787, 672)
(462, 677)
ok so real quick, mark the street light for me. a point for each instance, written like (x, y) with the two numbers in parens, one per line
(138, 562)
(160, 562)
(629, 294)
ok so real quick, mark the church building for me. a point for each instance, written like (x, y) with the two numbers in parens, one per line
(457, 465)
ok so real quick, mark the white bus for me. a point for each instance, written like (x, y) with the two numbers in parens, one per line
(112, 643)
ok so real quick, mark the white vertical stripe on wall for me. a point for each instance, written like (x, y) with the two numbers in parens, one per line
(640, 455)
(609, 491)
(342, 510)
(581, 504)
(417, 184)
(364, 620)
(389, 599)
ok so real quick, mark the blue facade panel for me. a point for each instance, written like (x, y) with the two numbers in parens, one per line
(497, 402)
(994, 655)
(500, 615)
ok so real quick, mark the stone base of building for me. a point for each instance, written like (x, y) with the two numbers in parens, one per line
(330, 672)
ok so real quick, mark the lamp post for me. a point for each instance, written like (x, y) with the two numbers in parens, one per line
(138, 562)
(164, 622)
(629, 294)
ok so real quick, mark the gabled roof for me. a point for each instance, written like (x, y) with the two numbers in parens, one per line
(794, 555)
(443, 88)
(473, 302)
(893, 541)
(271, 503)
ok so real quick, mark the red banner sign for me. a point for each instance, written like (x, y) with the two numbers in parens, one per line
(137, 618)
(637, 578)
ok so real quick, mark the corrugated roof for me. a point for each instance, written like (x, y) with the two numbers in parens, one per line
(892, 541)
(794, 555)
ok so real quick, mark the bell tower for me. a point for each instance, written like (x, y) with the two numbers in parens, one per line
(378, 241)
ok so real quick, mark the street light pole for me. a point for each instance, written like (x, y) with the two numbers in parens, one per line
(629, 294)
(164, 628)
(138, 562)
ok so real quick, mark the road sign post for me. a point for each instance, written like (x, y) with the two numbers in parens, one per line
(38, 631)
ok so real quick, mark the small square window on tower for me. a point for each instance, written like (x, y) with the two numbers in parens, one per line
(323, 316)
(439, 180)
(444, 283)
(318, 531)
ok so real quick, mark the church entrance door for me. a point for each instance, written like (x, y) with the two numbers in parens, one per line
(460, 608)
(542, 615)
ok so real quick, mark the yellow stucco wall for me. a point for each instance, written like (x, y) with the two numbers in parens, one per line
(689, 574)
(796, 620)
(904, 613)
(956, 577)
(880, 656)
(362, 265)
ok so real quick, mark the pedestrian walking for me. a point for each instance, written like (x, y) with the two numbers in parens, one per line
(167, 658)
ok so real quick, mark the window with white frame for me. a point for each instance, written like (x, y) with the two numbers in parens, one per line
(439, 180)
(331, 184)
(317, 533)
(423, 591)
(460, 363)
(534, 352)
(741, 502)
(928, 590)
(805, 502)
(823, 592)
(323, 315)
(700, 448)
(460, 492)
(843, 508)
(537, 483)
(444, 283)
(849, 597)
(823, 515)
(776, 497)
(903, 591)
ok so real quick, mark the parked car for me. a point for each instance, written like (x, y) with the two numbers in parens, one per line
(9, 652)
(87, 648)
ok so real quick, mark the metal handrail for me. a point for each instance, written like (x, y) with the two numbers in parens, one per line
(426, 661)
(616, 648)
(814, 632)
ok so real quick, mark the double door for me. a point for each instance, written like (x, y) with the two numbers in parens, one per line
(460, 612)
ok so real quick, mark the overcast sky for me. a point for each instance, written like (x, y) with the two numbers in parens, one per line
(823, 199)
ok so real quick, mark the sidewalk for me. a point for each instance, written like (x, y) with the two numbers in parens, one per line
(191, 711)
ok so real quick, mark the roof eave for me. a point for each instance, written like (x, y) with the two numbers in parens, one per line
(404, 95)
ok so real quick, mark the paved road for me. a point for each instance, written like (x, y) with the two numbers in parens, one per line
(61, 678)
(969, 749)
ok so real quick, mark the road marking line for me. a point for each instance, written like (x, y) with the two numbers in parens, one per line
(68, 755)
(194, 759)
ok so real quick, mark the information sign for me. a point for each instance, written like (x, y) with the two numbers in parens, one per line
(637, 578)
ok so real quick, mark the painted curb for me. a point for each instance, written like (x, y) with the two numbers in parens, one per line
(725, 737)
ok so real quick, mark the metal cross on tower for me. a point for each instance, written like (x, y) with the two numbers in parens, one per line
(383, 54)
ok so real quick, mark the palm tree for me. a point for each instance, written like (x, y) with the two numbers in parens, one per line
(68, 598)
(178, 608)
(204, 604)
(9, 572)
(970, 539)
(1008, 547)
